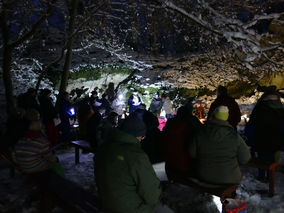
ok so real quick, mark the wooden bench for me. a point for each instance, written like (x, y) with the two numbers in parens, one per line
(270, 167)
(84, 146)
(222, 191)
(57, 190)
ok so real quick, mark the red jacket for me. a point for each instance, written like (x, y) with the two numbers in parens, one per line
(177, 135)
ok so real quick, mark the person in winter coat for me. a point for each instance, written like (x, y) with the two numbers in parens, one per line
(152, 143)
(134, 101)
(28, 100)
(32, 152)
(156, 105)
(48, 113)
(93, 99)
(266, 128)
(66, 112)
(218, 150)
(106, 128)
(177, 135)
(106, 105)
(110, 91)
(85, 112)
(224, 99)
(92, 128)
(167, 106)
(125, 178)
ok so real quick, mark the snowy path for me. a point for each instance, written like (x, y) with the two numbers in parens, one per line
(17, 196)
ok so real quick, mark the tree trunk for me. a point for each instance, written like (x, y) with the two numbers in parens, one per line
(7, 60)
(6, 66)
(8, 48)
(68, 59)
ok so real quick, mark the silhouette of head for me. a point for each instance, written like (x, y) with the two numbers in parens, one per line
(221, 91)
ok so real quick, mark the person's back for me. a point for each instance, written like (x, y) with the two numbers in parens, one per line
(28, 151)
(84, 113)
(32, 151)
(125, 178)
(106, 127)
(156, 105)
(218, 149)
(152, 143)
(47, 109)
(223, 99)
(28, 100)
(167, 106)
(48, 113)
(175, 139)
(266, 120)
(110, 91)
(92, 129)
(265, 129)
(66, 112)
(64, 108)
(177, 135)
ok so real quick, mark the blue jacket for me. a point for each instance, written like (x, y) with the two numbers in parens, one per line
(132, 107)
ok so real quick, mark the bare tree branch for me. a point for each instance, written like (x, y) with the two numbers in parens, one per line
(35, 26)
(235, 32)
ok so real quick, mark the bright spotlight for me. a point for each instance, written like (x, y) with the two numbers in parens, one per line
(71, 111)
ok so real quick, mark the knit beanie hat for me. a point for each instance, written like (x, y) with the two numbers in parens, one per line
(222, 113)
(133, 125)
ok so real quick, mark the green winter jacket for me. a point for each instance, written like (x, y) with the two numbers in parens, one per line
(125, 178)
(218, 150)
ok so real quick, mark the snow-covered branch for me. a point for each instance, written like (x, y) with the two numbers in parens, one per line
(258, 18)
(240, 35)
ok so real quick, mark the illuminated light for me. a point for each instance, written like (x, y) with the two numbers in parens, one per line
(97, 104)
(163, 113)
(217, 202)
(202, 120)
(245, 118)
(71, 111)
(120, 97)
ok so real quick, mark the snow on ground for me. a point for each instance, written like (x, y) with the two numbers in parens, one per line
(17, 195)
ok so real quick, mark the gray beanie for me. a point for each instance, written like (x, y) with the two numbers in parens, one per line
(133, 125)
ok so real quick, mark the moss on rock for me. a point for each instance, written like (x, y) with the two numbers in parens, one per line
(273, 79)
(239, 88)
(90, 72)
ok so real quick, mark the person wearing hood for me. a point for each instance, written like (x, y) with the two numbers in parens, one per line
(125, 178)
(266, 127)
(218, 150)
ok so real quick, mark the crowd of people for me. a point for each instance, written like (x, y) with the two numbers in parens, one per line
(127, 147)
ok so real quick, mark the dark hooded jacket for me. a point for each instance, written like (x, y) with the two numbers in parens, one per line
(266, 126)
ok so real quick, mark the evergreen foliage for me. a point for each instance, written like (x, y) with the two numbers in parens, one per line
(90, 72)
